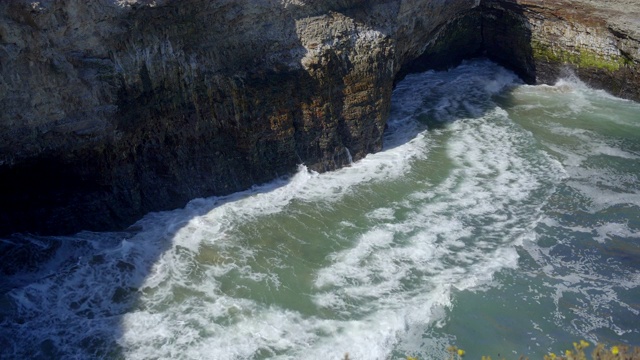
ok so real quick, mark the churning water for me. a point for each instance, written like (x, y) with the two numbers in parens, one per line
(501, 218)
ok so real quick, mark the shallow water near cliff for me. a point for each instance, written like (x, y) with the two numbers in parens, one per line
(501, 218)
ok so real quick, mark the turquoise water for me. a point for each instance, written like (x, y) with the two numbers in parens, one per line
(500, 217)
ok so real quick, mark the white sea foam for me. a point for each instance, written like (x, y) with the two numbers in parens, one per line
(586, 263)
(322, 264)
(609, 230)
(589, 153)
(395, 275)
(596, 183)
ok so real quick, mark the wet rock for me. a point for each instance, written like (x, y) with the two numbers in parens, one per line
(544, 40)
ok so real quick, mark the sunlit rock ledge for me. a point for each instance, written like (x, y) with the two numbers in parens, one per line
(112, 109)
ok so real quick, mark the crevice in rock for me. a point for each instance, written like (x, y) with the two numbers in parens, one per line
(495, 32)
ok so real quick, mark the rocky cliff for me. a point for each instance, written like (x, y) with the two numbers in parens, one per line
(544, 40)
(111, 109)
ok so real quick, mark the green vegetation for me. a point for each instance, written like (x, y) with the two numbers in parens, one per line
(617, 352)
(582, 58)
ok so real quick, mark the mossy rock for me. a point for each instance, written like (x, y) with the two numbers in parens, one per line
(581, 58)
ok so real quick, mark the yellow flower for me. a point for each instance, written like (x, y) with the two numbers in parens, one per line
(552, 356)
(584, 344)
(460, 352)
(615, 350)
(411, 358)
(568, 353)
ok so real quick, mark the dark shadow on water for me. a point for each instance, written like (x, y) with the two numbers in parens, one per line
(73, 291)
(433, 100)
(497, 31)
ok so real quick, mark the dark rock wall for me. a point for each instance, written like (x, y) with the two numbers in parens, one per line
(114, 108)
(507, 38)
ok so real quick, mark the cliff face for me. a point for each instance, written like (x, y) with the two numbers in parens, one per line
(111, 109)
(544, 40)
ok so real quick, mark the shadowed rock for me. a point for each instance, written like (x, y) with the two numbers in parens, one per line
(111, 109)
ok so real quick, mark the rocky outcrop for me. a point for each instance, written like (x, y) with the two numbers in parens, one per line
(114, 108)
(111, 109)
(544, 40)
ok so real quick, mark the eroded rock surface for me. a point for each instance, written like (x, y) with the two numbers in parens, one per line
(544, 40)
(111, 109)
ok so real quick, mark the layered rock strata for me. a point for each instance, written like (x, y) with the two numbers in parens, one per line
(544, 40)
(111, 109)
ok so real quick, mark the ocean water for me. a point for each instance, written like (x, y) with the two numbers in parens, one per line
(500, 217)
